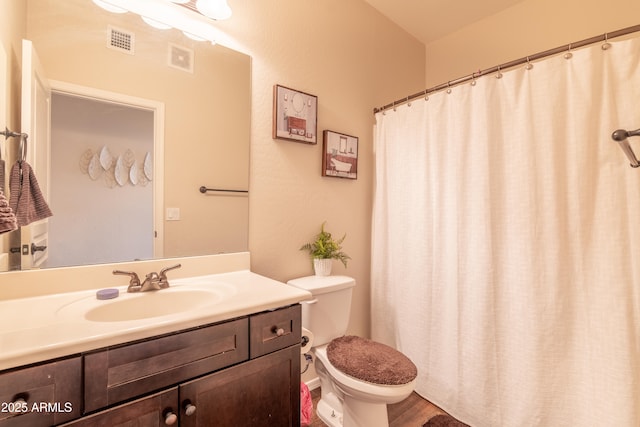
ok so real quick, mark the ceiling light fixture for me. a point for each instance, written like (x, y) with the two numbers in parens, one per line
(109, 7)
(168, 14)
(193, 36)
(156, 24)
(214, 9)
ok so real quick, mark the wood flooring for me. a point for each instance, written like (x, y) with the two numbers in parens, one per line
(414, 411)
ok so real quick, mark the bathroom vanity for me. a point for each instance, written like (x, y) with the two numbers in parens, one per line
(233, 361)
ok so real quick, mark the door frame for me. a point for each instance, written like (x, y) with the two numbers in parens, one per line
(158, 110)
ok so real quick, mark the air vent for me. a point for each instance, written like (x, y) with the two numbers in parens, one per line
(180, 57)
(120, 40)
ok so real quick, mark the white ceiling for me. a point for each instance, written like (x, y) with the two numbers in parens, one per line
(428, 20)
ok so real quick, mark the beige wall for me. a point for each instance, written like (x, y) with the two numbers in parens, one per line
(529, 27)
(353, 59)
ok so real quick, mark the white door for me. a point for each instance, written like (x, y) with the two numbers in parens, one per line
(36, 119)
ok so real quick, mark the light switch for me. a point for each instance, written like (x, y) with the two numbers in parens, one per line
(173, 214)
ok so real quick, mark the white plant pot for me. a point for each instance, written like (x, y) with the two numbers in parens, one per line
(322, 267)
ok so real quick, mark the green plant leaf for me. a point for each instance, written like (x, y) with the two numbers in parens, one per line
(324, 246)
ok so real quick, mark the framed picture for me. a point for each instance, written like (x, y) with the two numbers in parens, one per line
(339, 155)
(295, 115)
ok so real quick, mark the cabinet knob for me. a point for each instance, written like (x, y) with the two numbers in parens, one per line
(170, 418)
(278, 331)
(189, 408)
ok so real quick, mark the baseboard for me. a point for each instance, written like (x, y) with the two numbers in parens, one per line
(313, 383)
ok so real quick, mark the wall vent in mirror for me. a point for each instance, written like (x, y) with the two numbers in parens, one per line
(120, 40)
(181, 58)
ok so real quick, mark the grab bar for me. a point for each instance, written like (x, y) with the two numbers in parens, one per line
(620, 136)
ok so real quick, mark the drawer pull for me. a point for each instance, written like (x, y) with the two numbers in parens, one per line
(19, 404)
(170, 418)
(189, 408)
(278, 331)
(20, 399)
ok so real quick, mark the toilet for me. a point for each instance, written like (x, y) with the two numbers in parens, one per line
(358, 377)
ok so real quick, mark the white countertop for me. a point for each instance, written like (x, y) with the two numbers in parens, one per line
(39, 328)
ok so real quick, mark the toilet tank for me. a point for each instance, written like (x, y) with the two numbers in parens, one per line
(327, 314)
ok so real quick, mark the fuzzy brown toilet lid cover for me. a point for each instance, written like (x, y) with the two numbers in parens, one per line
(370, 361)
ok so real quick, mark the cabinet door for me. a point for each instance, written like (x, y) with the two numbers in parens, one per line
(41, 395)
(262, 392)
(153, 411)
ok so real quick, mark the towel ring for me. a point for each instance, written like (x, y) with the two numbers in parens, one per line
(23, 140)
(23, 146)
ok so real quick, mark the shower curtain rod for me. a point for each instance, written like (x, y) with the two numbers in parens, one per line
(566, 48)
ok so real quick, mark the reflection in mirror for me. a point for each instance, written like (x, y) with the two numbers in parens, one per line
(203, 91)
(102, 149)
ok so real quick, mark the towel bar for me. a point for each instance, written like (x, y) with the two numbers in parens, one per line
(620, 136)
(204, 189)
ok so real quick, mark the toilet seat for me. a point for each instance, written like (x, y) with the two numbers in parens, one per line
(370, 361)
(364, 389)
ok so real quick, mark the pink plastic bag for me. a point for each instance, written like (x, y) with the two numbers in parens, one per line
(306, 406)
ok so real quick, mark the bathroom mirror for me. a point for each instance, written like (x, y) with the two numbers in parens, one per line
(204, 93)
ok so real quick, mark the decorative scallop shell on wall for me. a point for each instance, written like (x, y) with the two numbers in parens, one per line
(147, 166)
(121, 173)
(133, 173)
(94, 168)
(85, 159)
(116, 171)
(106, 159)
(109, 176)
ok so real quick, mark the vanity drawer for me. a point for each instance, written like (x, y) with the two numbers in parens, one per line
(120, 373)
(50, 393)
(274, 330)
(147, 411)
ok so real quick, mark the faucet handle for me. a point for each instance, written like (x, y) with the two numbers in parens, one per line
(134, 282)
(164, 282)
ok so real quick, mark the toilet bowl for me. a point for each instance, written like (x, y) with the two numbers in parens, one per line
(350, 396)
(363, 403)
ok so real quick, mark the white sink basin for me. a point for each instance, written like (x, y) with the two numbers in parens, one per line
(151, 304)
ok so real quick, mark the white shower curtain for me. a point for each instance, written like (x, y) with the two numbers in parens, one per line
(506, 243)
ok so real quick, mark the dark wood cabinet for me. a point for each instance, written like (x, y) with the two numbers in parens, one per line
(262, 392)
(119, 373)
(41, 395)
(243, 372)
(157, 410)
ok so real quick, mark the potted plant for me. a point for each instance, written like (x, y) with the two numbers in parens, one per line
(323, 249)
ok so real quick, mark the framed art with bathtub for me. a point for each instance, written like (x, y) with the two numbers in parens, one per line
(339, 155)
(295, 115)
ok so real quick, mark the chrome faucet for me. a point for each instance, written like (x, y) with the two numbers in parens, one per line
(163, 282)
(152, 282)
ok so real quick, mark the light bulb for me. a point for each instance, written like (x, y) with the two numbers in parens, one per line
(193, 36)
(155, 24)
(214, 9)
(108, 7)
